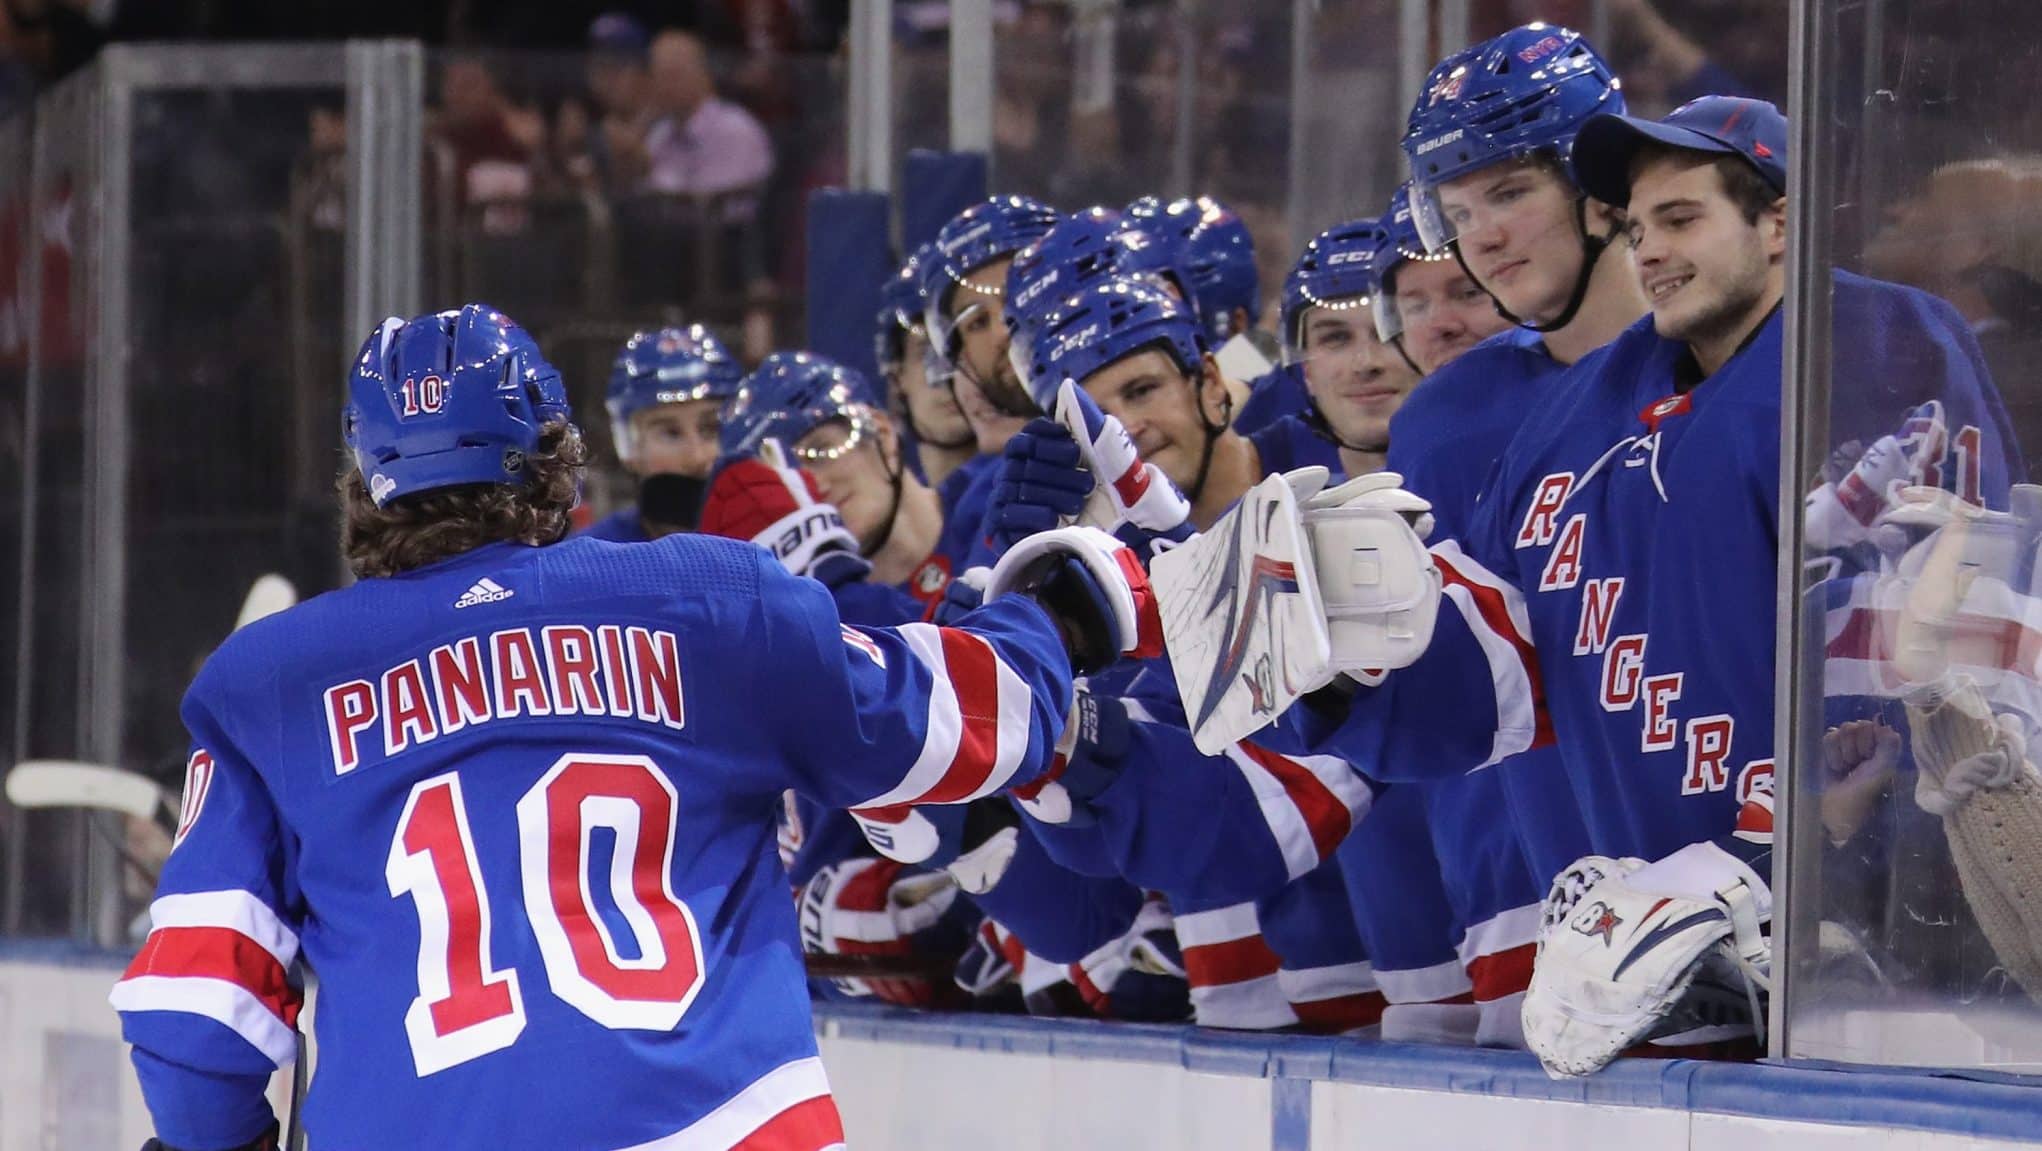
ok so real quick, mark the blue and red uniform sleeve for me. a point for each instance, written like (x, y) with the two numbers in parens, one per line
(210, 1004)
(883, 717)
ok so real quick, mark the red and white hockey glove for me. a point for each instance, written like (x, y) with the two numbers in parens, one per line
(896, 918)
(1095, 588)
(779, 509)
(1130, 490)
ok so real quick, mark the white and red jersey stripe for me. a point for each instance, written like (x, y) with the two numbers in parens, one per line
(1333, 999)
(1446, 982)
(1495, 614)
(787, 1109)
(978, 722)
(1233, 973)
(1310, 802)
(223, 955)
(1498, 953)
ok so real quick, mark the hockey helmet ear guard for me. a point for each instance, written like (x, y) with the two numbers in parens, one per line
(1528, 90)
(447, 399)
(666, 366)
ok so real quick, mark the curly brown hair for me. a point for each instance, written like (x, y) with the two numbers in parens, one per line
(414, 531)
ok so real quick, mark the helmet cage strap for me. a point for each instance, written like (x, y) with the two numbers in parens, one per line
(1592, 248)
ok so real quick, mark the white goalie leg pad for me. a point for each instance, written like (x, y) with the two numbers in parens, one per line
(1293, 586)
(1618, 965)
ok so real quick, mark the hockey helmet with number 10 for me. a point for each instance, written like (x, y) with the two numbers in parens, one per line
(447, 399)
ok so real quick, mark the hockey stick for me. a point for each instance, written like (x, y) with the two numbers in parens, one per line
(37, 783)
(829, 966)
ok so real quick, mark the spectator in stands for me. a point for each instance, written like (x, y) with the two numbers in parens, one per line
(1972, 235)
(700, 144)
(622, 90)
(493, 144)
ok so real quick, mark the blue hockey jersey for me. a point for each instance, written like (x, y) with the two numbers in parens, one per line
(1445, 441)
(517, 811)
(1614, 592)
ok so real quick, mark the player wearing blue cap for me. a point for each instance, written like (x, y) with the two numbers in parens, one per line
(666, 396)
(405, 778)
(1611, 595)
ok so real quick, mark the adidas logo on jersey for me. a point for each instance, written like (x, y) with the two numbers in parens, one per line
(486, 590)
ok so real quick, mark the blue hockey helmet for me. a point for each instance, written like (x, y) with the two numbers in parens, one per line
(981, 234)
(789, 395)
(1104, 324)
(1220, 253)
(1528, 90)
(1077, 252)
(1400, 245)
(448, 398)
(667, 366)
(1337, 270)
(901, 305)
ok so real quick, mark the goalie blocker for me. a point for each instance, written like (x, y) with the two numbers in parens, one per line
(1294, 586)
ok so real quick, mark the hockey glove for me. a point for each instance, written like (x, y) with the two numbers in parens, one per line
(961, 595)
(1088, 760)
(881, 910)
(1616, 967)
(1841, 513)
(1095, 589)
(1043, 484)
(780, 509)
(1129, 491)
(1294, 586)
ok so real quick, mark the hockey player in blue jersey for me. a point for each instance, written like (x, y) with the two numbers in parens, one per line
(1429, 306)
(918, 383)
(1612, 594)
(964, 287)
(511, 714)
(667, 391)
(828, 418)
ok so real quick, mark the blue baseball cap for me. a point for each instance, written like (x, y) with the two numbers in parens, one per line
(1726, 125)
(618, 34)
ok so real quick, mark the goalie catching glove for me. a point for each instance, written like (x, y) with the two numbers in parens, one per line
(1295, 585)
(1622, 943)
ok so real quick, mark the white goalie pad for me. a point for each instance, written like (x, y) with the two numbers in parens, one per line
(1615, 970)
(1290, 588)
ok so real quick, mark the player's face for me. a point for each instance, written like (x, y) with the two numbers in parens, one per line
(991, 428)
(981, 318)
(1444, 313)
(677, 439)
(1358, 381)
(1517, 230)
(932, 409)
(852, 461)
(1705, 270)
(1159, 407)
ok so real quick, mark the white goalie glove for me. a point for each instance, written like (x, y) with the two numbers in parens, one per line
(1623, 942)
(1297, 584)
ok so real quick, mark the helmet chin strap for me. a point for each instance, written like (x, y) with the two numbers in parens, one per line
(1397, 342)
(895, 477)
(1592, 248)
(1323, 428)
(907, 416)
(1212, 438)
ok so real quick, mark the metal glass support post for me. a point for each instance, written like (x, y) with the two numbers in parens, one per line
(1454, 23)
(971, 76)
(871, 82)
(1302, 13)
(1414, 49)
(30, 318)
(385, 112)
(1185, 29)
(1804, 436)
